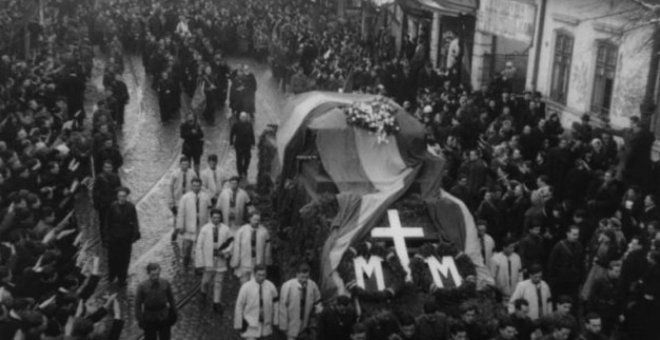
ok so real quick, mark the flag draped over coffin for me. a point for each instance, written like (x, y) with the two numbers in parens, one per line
(370, 176)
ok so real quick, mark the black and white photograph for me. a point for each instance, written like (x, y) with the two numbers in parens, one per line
(329, 169)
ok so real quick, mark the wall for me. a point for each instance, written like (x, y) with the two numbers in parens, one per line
(396, 17)
(590, 21)
(483, 48)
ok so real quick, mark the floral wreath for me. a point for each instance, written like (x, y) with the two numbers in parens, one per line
(390, 262)
(376, 116)
(422, 276)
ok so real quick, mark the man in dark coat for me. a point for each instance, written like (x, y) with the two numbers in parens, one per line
(105, 192)
(235, 103)
(155, 25)
(247, 85)
(607, 297)
(208, 82)
(634, 264)
(521, 320)
(193, 140)
(432, 325)
(593, 325)
(637, 159)
(109, 152)
(73, 87)
(490, 210)
(531, 247)
(336, 322)
(566, 265)
(559, 159)
(221, 71)
(168, 96)
(121, 230)
(120, 93)
(477, 174)
(121, 96)
(155, 309)
(604, 198)
(651, 212)
(242, 139)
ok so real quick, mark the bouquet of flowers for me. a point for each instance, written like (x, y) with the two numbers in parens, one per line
(376, 116)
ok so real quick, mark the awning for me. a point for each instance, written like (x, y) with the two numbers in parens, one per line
(414, 8)
(452, 8)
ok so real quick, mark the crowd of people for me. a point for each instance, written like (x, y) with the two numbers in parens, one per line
(567, 218)
(47, 277)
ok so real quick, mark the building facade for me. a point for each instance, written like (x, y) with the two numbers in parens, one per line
(595, 57)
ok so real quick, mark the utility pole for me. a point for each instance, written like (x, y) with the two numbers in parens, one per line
(26, 36)
(363, 23)
(341, 5)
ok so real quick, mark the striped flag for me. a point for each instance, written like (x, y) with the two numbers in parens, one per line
(370, 175)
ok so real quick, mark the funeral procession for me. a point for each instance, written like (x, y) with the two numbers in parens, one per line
(329, 169)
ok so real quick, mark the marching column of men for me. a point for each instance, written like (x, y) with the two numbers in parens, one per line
(232, 241)
(214, 222)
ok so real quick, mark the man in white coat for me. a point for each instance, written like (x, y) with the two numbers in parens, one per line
(193, 210)
(506, 268)
(256, 307)
(212, 178)
(536, 292)
(486, 242)
(213, 248)
(181, 183)
(233, 202)
(299, 297)
(251, 247)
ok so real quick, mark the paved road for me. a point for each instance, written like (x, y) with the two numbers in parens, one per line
(151, 149)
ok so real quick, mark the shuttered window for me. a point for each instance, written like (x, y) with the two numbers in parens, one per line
(561, 68)
(606, 59)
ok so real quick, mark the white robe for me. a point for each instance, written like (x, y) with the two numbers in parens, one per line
(187, 216)
(242, 199)
(206, 245)
(527, 290)
(247, 308)
(242, 251)
(499, 268)
(290, 297)
(489, 245)
(176, 185)
(212, 185)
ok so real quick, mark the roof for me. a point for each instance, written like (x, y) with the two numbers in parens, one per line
(444, 7)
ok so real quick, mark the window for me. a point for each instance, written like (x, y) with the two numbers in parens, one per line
(561, 68)
(606, 58)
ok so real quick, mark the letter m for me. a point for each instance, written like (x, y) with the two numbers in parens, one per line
(368, 269)
(444, 269)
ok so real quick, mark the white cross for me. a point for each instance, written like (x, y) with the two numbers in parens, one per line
(398, 234)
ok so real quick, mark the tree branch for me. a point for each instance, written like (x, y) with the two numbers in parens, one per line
(647, 5)
(642, 24)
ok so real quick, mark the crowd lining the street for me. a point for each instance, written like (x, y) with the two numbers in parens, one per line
(47, 280)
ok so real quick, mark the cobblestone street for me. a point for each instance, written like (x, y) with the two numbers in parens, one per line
(151, 150)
